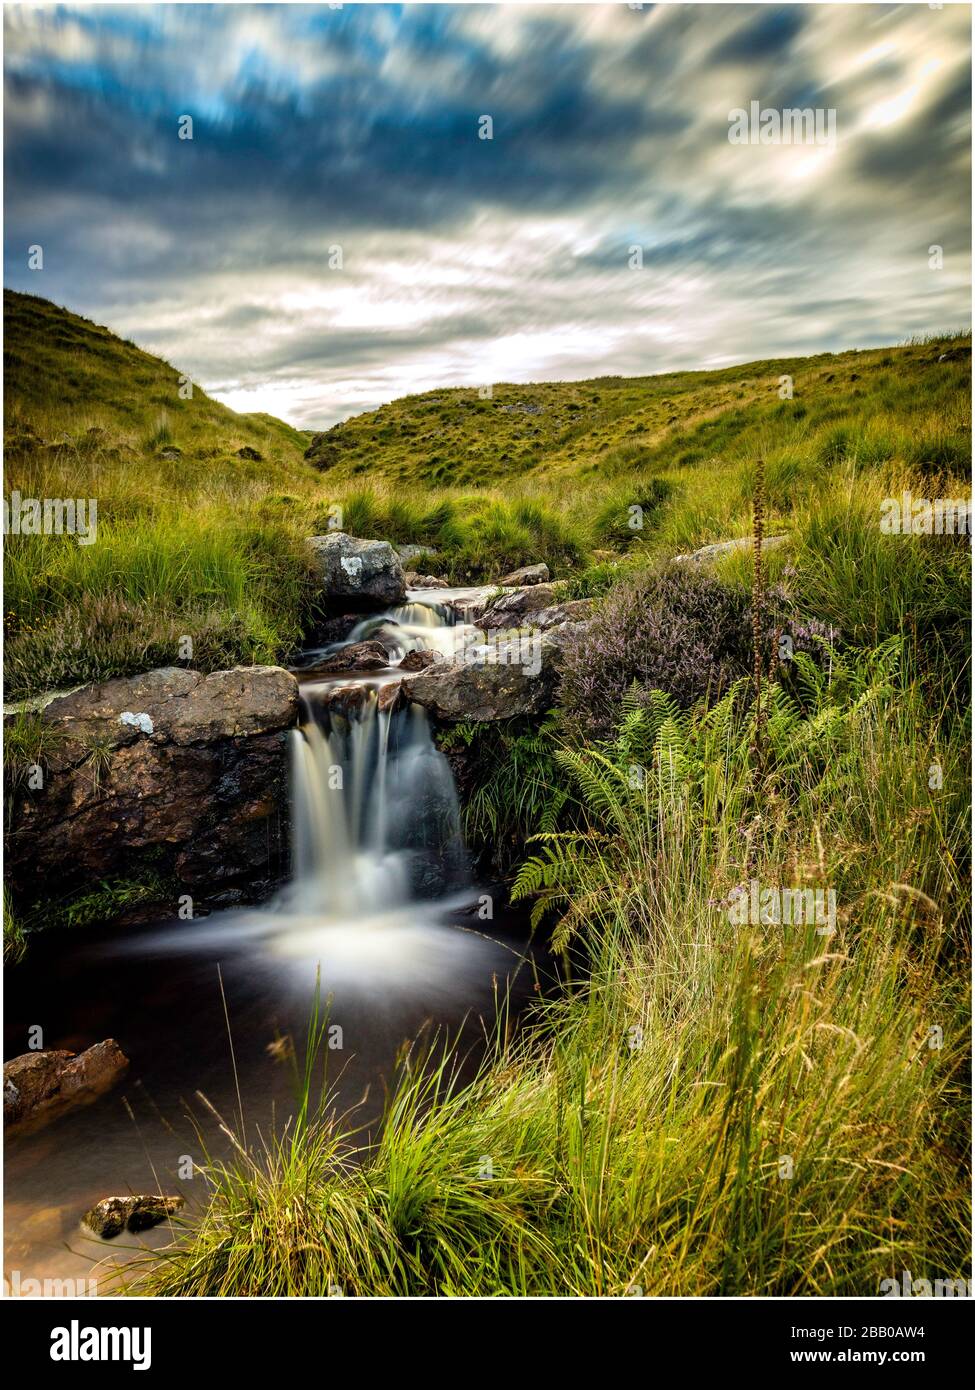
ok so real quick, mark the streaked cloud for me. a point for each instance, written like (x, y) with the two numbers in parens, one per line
(468, 260)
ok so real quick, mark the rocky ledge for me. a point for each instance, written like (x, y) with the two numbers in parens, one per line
(173, 775)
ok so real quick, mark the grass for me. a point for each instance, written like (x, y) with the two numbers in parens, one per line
(712, 1109)
(196, 541)
(704, 1108)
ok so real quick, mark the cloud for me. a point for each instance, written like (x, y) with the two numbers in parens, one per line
(466, 260)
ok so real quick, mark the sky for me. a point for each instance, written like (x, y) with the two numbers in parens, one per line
(467, 260)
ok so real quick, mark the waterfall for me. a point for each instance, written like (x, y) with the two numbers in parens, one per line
(376, 821)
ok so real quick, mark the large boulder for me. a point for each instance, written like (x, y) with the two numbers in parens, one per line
(39, 1085)
(170, 776)
(356, 573)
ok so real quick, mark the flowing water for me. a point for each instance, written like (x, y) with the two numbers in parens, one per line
(381, 906)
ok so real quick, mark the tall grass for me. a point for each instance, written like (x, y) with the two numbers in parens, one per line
(713, 1108)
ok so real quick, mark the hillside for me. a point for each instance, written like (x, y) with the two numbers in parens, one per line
(190, 539)
(610, 425)
(64, 375)
(592, 477)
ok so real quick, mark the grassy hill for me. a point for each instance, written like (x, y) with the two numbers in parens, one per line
(614, 425)
(66, 376)
(196, 539)
(190, 540)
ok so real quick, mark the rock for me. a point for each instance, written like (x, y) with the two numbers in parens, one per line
(112, 1215)
(511, 678)
(38, 1085)
(171, 452)
(363, 574)
(707, 553)
(343, 699)
(572, 611)
(530, 574)
(248, 453)
(191, 788)
(176, 705)
(389, 697)
(358, 656)
(412, 552)
(419, 661)
(510, 609)
(424, 581)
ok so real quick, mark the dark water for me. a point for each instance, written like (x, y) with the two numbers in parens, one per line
(206, 1008)
(161, 993)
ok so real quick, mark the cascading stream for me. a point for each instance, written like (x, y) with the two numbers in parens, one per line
(375, 815)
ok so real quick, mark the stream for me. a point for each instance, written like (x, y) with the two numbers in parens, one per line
(381, 903)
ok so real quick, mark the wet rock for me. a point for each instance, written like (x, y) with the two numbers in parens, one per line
(39, 1085)
(361, 574)
(112, 1215)
(424, 581)
(418, 661)
(529, 574)
(510, 609)
(359, 656)
(190, 785)
(509, 678)
(343, 699)
(389, 697)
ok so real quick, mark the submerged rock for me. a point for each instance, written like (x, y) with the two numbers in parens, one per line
(38, 1085)
(112, 1215)
(365, 574)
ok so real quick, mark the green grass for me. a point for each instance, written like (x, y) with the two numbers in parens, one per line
(195, 541)
(712, 1109)
(634, 1135)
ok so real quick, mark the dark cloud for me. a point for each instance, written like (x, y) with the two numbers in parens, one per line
(465, 258)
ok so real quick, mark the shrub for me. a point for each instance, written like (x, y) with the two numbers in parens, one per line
(680, 631)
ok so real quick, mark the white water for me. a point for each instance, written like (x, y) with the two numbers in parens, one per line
(375, 818)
